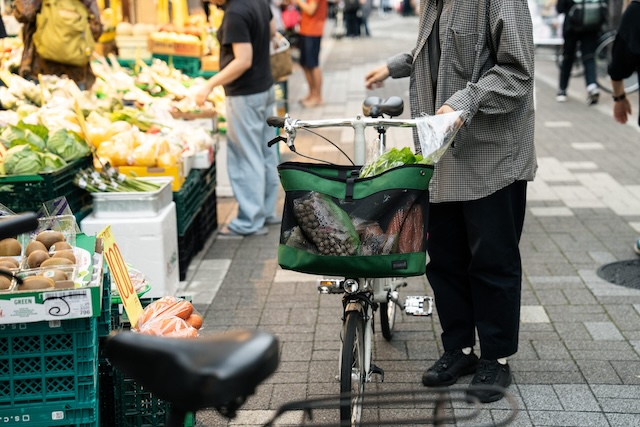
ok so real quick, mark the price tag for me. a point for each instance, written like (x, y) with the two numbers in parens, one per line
(120, 275)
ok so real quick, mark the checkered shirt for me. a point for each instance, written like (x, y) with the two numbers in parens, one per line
(486, 69)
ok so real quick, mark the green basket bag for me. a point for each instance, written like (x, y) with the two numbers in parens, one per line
(337, 224)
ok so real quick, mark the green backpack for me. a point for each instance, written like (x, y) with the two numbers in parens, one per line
(63, 33)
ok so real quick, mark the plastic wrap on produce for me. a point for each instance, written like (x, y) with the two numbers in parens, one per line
(326, 225)
(170, 317)
(436, 133)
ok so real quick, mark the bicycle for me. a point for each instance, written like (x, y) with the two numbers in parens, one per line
(603, 58)
(362, 296)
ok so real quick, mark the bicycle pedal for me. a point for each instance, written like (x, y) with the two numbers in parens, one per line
(418, 306)
(377, 370)
(330, 286)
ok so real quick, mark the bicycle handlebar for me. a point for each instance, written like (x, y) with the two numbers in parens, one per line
(359, 123)
(17, 224)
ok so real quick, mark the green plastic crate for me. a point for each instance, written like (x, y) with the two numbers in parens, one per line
(22, 193)
(131, 405)
(48, 373)
(188, 65)
(104, 320)
(136, 407)
(188, 200)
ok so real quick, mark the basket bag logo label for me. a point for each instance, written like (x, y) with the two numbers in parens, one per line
(399, 264)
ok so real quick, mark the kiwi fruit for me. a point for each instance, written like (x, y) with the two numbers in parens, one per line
(36, 258)
(56, 275)
(13, 261)
(5, 283)
(67, 253)
(7, 265)
(36, 282)
(60, 246)
(34, 245)
(49, 237)
(10, 247)
(57, 261)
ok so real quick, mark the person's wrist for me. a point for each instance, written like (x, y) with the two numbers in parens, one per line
(618, 98)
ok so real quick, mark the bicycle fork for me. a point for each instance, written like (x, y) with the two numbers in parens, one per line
(363, 305)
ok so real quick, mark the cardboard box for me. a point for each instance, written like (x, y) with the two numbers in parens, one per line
(194, 50)
(178, 173)
(132, 47)
(210, 63)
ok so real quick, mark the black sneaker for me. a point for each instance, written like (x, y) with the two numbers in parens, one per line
(490, 373)
(451, 366)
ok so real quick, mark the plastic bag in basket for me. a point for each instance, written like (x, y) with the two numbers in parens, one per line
(436, 133)
(170, 317)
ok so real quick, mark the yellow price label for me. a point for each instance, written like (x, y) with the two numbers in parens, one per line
(120, 275)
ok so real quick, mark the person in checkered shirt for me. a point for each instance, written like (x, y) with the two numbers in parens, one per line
(476, 57)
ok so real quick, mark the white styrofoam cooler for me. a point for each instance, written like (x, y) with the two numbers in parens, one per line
(149, 244)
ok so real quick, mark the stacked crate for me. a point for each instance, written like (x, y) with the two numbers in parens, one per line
(197, 214)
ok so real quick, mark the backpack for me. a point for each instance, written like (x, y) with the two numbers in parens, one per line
(63, 33)
(588, 15)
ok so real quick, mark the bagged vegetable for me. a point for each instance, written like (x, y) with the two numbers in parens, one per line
(325, 224)
(436, 133)
(171, 317)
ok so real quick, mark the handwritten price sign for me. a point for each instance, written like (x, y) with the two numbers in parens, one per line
(120, 275)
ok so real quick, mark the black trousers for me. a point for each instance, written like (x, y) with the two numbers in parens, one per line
(475, 270)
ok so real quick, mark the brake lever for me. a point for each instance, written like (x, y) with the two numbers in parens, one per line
(275, 140)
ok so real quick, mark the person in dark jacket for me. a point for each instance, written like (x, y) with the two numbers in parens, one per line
(588, 41)
(625, 59)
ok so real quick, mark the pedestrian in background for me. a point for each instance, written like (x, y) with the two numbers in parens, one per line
(3, 31)
(478, 189)
(245, 74)
(32, 64)
(351, 19)
(587, 40)
(314, 15)
(365, 11)
(625, 60)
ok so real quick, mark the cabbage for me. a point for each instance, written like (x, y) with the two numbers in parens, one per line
(51, 162)
(67, 145)
(14, 135)
(22, 160)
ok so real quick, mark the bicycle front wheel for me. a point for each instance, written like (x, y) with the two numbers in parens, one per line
(352, 370)
(603, 58)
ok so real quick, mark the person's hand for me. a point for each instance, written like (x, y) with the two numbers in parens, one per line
(202, 95)
(446, 109)
(374, 79)
(622, 111)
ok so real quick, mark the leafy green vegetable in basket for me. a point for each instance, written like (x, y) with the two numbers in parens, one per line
(21, 160)
(389, 160)
(51, 162)
(66, 145)
(14, 135)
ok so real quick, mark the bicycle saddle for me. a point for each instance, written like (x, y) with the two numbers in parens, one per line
(196, 373)
(374, 106)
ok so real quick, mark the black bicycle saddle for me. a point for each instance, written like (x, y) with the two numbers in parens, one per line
(375, 106)
(196, 373)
